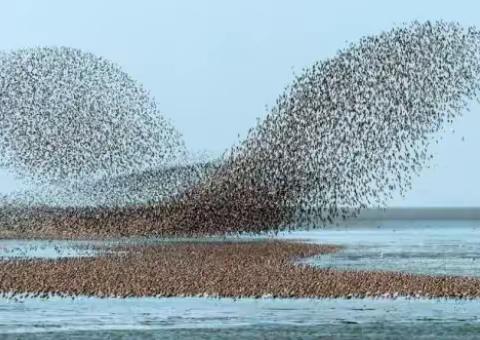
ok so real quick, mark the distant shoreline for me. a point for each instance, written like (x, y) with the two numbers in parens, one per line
(420, 213)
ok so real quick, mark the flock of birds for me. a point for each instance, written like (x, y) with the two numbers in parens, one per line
(346, 134)
(66, 115)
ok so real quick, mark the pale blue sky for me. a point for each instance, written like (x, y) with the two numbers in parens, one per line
(214, 65)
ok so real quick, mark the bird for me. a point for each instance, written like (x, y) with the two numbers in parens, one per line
(345, 134)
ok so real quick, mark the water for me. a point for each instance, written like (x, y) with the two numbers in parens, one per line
(422, 247)
(226, 318)
(432, 247)
(10, 249)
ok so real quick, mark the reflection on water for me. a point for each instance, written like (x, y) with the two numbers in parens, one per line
(423, 247)
(223, 318)
(49, 249)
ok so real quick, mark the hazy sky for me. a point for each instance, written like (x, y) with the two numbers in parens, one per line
(214, 65)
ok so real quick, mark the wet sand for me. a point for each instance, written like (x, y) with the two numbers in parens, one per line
(227, 269)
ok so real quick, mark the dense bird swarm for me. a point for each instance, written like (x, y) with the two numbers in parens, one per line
(346, 134)
(223, 269)
(66, 114)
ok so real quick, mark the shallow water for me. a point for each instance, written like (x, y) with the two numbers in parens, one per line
(226, 318)
(46, 249)
(422, 247)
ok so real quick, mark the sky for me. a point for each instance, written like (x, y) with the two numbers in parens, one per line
(214, 66)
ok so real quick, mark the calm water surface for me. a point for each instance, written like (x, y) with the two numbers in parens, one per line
(224, 318)
(422, 247)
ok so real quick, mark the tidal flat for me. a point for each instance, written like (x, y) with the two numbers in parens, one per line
(375, 279)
